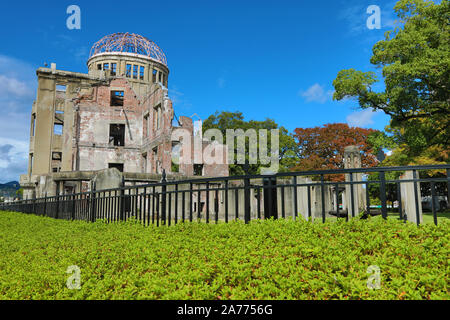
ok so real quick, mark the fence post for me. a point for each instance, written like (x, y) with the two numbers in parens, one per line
(322, 189)
(352, 196)
(93, 202)
(122, 200)
(163, 197)
(45, 204)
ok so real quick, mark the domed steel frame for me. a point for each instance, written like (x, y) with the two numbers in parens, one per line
(130, 43)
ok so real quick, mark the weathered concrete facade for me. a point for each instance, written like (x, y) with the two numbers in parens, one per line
(117, 115)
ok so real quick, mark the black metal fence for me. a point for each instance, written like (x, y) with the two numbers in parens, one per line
(306, 193)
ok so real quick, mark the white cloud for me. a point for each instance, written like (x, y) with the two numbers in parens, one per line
(361, 118)
(13, 159)
(12, 86)
(316, 93)
(17, 91)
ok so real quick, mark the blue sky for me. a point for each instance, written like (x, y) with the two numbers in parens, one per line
(267, 59)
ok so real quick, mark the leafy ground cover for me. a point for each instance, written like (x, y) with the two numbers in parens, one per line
(281, 259)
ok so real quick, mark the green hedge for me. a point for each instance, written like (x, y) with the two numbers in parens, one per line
(280, 259)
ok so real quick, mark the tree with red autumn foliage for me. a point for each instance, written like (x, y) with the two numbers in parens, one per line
(322, 148)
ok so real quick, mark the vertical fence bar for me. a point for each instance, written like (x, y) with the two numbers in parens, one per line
(73, 207)
(433, 206)
(198, 203)
(258, 205)
(191, 201)
(295, 197)
(269, 198)
(216, 205)
(45, 204)
(336, 197)
(416, 196)
(93, 203)
(153, 204)
(176, 203)
(57, 202)
(246, 200)
(183, 205)
(157, 209)
(322, 188)
(367, 199)
(144, 206)
(309, 202)
(283, 215)
(399, 200)
(164, 197)
(352, 195)
(207, 202)
(448, 187)
(226, 201)
(170, 209)
(140, 205)
(236, 203)
(383, 194)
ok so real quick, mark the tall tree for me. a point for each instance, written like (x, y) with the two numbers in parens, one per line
(323, 147)
(235, 120)
(415, 62)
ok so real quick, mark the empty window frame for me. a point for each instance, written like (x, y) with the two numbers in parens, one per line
(141, 72)
(135, 71)
(57, 156)
(198, 169)
(128, 71)
(116, 98)
(164, 79)
(61, 87)
(117, 135)
(144, 162)
(160, 76)
(155, 160)
(157, 117)
(99, 66)
(154, 75)
(31, 163)
(106, 66)
(33, 123)
(59, 117)
(113, 69)
(119, 166)
(57, 129)
(145, 126)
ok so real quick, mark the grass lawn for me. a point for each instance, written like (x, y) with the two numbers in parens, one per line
(281, 259)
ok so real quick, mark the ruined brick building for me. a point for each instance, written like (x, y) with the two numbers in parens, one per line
(116, 115)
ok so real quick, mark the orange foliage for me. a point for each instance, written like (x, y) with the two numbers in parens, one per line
(322, 148)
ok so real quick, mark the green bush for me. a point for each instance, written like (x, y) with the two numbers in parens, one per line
(281, 259)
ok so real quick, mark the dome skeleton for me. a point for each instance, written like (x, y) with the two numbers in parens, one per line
(128, 43)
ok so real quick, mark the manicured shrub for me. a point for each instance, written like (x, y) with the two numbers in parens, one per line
(280, 259)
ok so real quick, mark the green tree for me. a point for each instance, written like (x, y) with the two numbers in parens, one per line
(415, 62)
(235, 120)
